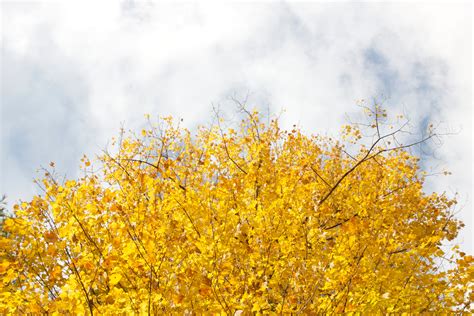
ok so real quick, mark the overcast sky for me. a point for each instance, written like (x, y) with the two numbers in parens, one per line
(71, 74)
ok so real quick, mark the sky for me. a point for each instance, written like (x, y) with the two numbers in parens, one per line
(73, 73)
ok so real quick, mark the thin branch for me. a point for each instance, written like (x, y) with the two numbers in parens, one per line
(225, 143)
(314, 170)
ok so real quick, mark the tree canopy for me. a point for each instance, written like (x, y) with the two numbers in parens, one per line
(249, 219)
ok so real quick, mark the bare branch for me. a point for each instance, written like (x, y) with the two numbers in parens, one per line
(225, 143)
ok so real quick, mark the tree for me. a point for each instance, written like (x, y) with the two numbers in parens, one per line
(248, 219)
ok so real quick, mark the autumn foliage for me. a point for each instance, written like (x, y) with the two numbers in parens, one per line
(245, 219)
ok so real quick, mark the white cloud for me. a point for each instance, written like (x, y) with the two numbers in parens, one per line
(71, 73)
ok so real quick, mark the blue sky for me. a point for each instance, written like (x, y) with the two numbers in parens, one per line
(72, 73)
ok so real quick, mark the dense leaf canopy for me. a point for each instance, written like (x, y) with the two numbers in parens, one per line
(245, 219)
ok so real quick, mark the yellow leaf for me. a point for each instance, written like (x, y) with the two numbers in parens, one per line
(115, 278)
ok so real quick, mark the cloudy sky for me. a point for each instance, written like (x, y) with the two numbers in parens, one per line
(71, 74)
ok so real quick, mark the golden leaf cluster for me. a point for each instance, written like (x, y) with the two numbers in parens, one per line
(251, 219)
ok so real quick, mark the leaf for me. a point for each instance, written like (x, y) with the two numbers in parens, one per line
(115, 278)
